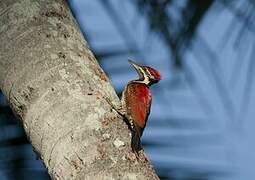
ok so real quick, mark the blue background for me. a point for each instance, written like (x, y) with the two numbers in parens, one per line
(202, 119)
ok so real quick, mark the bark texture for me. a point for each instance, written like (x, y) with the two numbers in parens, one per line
(56, 87)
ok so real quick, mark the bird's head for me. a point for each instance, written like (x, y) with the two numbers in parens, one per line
(147, 75)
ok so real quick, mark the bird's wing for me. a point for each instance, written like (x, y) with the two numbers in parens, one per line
(138, 102)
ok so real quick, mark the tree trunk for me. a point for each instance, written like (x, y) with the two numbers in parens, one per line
(56, 87)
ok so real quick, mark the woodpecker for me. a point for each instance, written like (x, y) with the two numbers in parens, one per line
(136, 102)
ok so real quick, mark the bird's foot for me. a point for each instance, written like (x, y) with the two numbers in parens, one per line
(117, 108)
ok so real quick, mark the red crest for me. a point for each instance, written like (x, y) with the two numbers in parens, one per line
(156, 74)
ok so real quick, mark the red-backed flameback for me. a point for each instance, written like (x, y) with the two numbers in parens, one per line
(136, 102)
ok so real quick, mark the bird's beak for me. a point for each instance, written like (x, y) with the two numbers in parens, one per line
(137, 67)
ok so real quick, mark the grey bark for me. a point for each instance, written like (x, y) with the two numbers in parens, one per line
(56, 87)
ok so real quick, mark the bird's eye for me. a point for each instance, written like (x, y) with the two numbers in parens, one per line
(153, 74)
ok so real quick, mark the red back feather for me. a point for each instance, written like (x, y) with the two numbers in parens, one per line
(138, 102)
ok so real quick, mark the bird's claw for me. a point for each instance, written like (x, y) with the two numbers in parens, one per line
(115, 107)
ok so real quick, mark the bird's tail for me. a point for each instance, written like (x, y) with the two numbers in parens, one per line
(136, 140)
